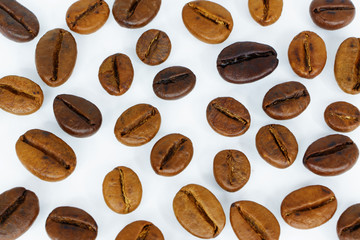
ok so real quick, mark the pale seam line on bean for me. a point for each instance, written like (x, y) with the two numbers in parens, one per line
(90, 9)
(252, 224)
(12, 208)
(210, 16)
(172, 151)
(279, 143)
(304, 209)
(146, 116)
(122, 189)
(73, 222)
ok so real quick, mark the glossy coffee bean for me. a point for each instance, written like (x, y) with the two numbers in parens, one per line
(140, 230)
(348, 224)
(342, 116)
(265, 12)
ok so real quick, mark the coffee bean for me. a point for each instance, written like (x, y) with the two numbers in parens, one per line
(19, 95)
(231, 170)
(18, 210)
(307, 54)
(331, 155)
(252, 221)
(332, 14)
(199, 211)
(116, 74)
(207, 21)
(277, 145)
(135, 13)
(140, 230)
(87, 16)
(244, 62)
(77, 116)
(348, 224)
(137, 125)
(228, 117)
(308, 207)
(70, 223)
(174, 82)
(122, 190)
(45, 155)
(55, 56)
(17, 22)
(342, 116)
(265, 12)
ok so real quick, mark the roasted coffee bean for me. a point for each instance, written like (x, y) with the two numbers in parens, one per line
(18, 210)
(45, 155)
(244, 62)
(122, 190)
(19, 95)
(308, 207)
(286, 100)
(348, 224)
(332, 14)
(199, 211)
(331, 155)
(137, 125)
(307, 54)
(135, 13)
(17, 22)
(87, 16)
(174, 82)
(77, 116)
(70, 223)
(55, 56)
(342, 116)
(140, 230)
(252, 221)
(277, 145)
(207, 21)
(228, 117)
(265, 12)
(231, 170)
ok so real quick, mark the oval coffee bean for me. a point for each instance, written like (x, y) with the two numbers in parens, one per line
(19, 208)
(137, 230)
(331, 155)
(76, 116)
(45, 155)
(174, 82)
(70, 223)
(55, 56)
(252, 221)
(19, 95)
(308, 207)
(342, 116)
(244, 62)
(199, 211)
(231, 170)
(17, 22)
(207, 21)
(348, 224)
(277, 145)
(122, 190)
(265, 12)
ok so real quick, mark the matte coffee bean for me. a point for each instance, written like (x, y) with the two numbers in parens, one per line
(265, 12)
(207, 21)
(331, 155)
(199, 211)
(19, 208)
(45, 155)
(122, 190)
(308, 207)
(55, 56)
(342, 116)
(77, 116)
(174, 82)
(244, 62)
(70, 223)
(137, 230)
(348, 224)
(252, 221)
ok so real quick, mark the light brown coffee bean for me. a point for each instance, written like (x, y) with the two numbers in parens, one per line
(140, 230)
(342, 116)
(265, 12)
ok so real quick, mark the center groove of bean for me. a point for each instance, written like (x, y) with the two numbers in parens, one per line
(252, 224)
(56, 55)
(344, 116)
(209, 16)
(279, 143)
(76, 111)
(73, 222)
(243, 58)
(357, 71)
(12, 208)
(152, 46)
(17, 92)
(230, 163)
(116, 72)
(324, 9)
(309, 208)
(173, 79)
(296, 95)
(266, 9)
(332, 150)
(17, 19)
(142, 121)
(229, 114)
(123, 192)
(353, 227)
(144, 232)
(172, 151)
(132, 8)
(89, 10)
(307, 53)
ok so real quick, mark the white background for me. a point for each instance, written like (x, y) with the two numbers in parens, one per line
(100, 153)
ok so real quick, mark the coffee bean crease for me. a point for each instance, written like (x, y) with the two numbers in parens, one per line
(230, 162)
(331, 9)
(311, 207)
(89, 10)
(12, 208)
(116, 73)
(345, 117)
(229, 114)
(123, 192)
(56, 55)
(332, 150)
(295, 96)
(352, 228)
(252, 224)
(132, 8)
(152, 46)
(210, 16)
(144, 232)
(173, 79)
(243, 58)
(17, 19)
(73, 222)
(266, 9)
(138, 124)
(307, 53)
(17, 92)
(279, 143)
(172, 151)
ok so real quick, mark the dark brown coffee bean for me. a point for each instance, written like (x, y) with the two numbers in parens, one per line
(265, 12)
(244, 62)
(77, 116)
(332, 14)
(18, 210)
(140, 230)
(277, 145)
(135, 13)
(199, 211)
(17, 22)
(122, 190)
(307, 54)
(137, 125)
(70, 223)
(252, 221)
(45, 155)
(231, 170)
(308, 207)
(331, 155)
(174, 82)
(348, 225)
(207, 21)
(55, 56)
(342, 116)
(19, 95)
